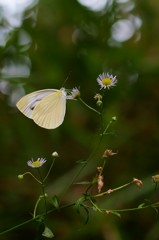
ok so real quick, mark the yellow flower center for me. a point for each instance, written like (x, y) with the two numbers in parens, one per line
(36, 164)
(106, 81)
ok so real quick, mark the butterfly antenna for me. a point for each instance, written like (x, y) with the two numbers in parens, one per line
(66, 78)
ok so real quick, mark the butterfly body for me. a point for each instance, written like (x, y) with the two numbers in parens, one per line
(46, 107)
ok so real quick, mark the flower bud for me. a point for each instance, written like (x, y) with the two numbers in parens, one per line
(108, 153)
(55, 154)
(20, 176)
(114, 118)
(138, 182)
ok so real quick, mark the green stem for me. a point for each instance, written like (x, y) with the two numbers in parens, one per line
(32, 176)
(71, 205)
(101, 120)
(34, 219)
(112, 190)
(89, 106)
(19, 225)
(43, 190)
(49, 170)
(95, 206)
(36, 205)
(154, 205)
(105, 131)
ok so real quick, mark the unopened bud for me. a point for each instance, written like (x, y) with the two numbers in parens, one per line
(114, 118)
(55, 154)
(20, 176)
(138, 182)
(100, 183)
(108, 153)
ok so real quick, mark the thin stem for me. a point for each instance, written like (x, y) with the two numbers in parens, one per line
(89, 106)
(112, 190)
(32, 176)
(36, 218)
(71, 205)
(104, 162)
(19, 225)
(36, 205)
(105, 131)
(49, 170)
(101, 120)
(95, 206)
(126, 209)
(43, 190)
(153, 205)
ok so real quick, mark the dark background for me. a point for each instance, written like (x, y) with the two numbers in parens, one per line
(52, 40)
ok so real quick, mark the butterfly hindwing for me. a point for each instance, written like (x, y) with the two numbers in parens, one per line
(27, 103)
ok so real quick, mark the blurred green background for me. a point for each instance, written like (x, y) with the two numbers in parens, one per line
(41, 44)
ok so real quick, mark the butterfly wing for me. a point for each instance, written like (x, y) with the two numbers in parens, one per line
(27, 103)
(50, 111)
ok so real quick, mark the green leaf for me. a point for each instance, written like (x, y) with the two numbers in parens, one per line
(84, 182)
(54, 201)
(47, 233)
(78, 204)
(141, 205)
(87, 214)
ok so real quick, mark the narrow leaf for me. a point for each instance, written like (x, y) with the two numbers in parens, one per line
(78, 204)
(84, 182)
(141, 205)
(54, 201)
(87, 214)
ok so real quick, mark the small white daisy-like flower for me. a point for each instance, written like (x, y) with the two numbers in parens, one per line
(36, 164)
(106, 80)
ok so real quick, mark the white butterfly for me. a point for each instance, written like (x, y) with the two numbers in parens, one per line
(46, 107)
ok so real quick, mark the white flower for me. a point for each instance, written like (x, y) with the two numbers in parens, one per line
(36, 164)
(106, 80)
(75, 93)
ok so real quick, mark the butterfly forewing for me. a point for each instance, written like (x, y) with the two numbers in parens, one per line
(27, 103)
(50, 111)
